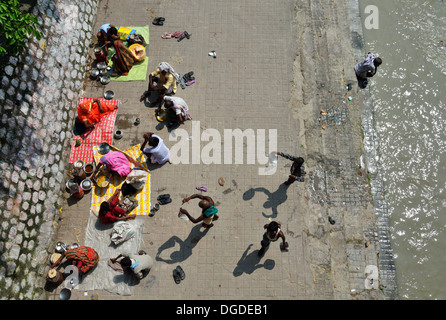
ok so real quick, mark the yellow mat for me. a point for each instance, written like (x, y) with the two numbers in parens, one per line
(137, 160)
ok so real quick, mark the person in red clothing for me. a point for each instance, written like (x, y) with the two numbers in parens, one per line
(110, 211)
(83, 257)
(91, 112)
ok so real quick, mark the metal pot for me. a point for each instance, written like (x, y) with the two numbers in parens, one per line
(61, 247)
(101, 66)
(65, 294)
(272, 158)
(94, 74)
(109, 94)
(105, 79)
(86, 184)
(70, 182)
(79, 164)
(89, 168)
(118, 134)
(74, 245)
(104, 148)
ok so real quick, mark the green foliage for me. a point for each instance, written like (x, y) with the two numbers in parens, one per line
(15, 27)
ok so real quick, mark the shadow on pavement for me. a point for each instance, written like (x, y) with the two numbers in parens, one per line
(249, 263)
(275, 198)
(186, 246)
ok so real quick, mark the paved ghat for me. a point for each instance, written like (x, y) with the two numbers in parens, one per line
(279, 64)
(38, 95)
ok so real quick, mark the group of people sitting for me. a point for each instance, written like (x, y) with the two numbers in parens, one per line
(123, 59)
(163, 82)
(89, 113)
(86, 258)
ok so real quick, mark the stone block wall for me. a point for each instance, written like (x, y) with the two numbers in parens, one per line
(39, 93)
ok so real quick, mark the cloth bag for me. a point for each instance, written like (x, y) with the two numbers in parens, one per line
(137, 178)
(122, 231)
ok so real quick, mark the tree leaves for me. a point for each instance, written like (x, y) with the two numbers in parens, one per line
(15, 27)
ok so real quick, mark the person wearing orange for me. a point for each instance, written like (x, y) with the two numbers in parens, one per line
(91, 112)
(83, 257)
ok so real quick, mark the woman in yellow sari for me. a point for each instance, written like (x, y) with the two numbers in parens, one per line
(91, 112)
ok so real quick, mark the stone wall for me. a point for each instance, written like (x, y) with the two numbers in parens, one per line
(39, 93)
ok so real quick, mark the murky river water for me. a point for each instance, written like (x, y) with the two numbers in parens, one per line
(410, 112)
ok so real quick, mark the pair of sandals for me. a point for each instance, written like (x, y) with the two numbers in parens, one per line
(178, 274)
(184, 35)
(164, 199)
(188, 76)
(186, 79)
(158, 21)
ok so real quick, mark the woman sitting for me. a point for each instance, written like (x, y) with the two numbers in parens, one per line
(91, 112)
(84, 258)
(177, 109)
(123, 59)
(116, 162)
(117, 210)
(107, 33)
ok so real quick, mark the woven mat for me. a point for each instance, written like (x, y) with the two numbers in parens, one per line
(103, 277)
(137, 160)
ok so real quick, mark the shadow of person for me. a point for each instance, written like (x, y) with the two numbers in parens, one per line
(249, 263)
(149, 101)
(274, 200)
(154, 166)
(186, 246)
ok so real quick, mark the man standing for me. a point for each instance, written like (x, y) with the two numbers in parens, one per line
(272, 233)
(208, 213)
(297, 168)
(367, 69)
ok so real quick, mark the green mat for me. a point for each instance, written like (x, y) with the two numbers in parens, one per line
(139, 69)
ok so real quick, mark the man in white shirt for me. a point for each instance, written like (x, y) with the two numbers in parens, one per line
(158, 153)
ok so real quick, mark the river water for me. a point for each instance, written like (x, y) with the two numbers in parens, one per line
(409, 95)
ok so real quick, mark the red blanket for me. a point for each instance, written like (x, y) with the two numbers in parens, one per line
(102, 132)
